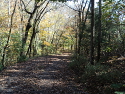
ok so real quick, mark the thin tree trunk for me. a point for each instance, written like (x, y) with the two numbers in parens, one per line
(92, 33)
(81, 29)
(123, 43)
(99, 33)
(9, 36)
(31, 41)
(35, 25)
(28, 26)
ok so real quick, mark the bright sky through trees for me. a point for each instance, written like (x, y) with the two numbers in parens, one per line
(71, 3)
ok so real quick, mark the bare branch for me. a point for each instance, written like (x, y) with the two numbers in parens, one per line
(41, 3)
(86, 13)
(42, 10)
(72, 8)
(25, 7)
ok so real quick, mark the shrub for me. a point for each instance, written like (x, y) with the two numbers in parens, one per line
(77, 64)
(110, 76)
(100, 73)
(1, 67)
(92, 71)
(22, 58)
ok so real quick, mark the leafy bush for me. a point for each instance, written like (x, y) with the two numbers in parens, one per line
(77, 64)
(22, 58)
(100, 78)
(100, 73)
(1, 67)
(111, 76)
(120, 92)
(93, 71)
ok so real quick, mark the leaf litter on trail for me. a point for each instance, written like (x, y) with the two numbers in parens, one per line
(42, 75)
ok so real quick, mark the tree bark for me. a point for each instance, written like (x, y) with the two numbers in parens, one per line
(9, 36)
(99, 33)
(28, 26)
(81, 28)
(92, 33)
(35, 28)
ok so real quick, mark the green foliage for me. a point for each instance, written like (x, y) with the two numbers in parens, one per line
(13, 49)
(117, 85)
(23, 58)
(107, 0)
(120, 92)
(111, 76)
(1, 67)
(107, 49)
(77, 64)
(101, 73)
(93, 71)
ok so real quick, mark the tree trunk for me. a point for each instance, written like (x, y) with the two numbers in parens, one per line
(28, 26)
(8, 38)
(92, 33)
(31, 41)
(80, 34)
(99, 33)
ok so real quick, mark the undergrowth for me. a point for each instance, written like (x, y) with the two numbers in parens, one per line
(1, 67)
(98, 78)
(22, 58)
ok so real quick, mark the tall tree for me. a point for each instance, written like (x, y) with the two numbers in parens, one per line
(99, 32)
(92, 33)
(9, 35)
(82, 9)
(32, 13)
(38, 17)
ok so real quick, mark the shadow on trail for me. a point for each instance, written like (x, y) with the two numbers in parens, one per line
(42, 75)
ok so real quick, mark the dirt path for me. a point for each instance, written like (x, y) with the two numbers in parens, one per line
(43, 75)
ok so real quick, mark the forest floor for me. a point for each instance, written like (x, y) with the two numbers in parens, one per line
(42, 75)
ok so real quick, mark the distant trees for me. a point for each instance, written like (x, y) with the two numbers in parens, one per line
(82, 10)
(32, 30)
(97, 32)
(35, 16)
(43, 25)
(102, 46)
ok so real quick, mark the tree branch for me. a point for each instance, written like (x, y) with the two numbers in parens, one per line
(25, 7)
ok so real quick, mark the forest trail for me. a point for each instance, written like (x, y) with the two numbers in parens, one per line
(42, 75)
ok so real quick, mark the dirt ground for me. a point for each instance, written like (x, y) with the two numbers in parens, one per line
(42, 75)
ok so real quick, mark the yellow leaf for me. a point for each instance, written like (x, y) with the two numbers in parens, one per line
(46, 43)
